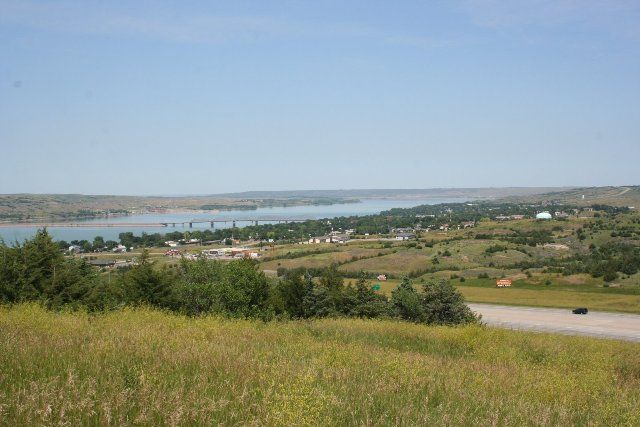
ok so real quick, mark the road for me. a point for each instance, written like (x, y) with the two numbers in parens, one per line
(623, 191)
(597, 324)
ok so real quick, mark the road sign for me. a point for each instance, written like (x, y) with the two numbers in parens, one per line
(376, 287)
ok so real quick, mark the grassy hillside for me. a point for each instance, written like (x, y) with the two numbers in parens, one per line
(399, 193)
(147, 367)
(614, 196)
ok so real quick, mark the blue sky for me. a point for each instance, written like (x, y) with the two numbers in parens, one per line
(201, 97)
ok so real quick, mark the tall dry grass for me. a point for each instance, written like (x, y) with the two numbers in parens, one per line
(148, 367)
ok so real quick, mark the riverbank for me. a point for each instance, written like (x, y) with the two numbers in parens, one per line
(35, 208)
(96, 227)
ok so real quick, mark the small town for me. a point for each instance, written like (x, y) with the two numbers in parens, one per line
(320, 213)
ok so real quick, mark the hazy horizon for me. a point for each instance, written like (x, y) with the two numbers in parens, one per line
(310, 191)
(204, 98)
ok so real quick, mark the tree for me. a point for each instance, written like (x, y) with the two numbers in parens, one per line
(245, 289)
(442, 304)
(368, 303)
(9, 273)
(104, 295)
(310, 300)
(331, 297)
(98, 242)
(293, 291)
(235, 288)
(143, 284)
(406, 302)
(36, 270)
(41, 257)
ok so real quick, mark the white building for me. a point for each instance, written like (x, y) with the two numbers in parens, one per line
(543, 215)
(335, 238)
(405, 236)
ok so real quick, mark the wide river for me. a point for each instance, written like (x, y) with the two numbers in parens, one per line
(13, 233)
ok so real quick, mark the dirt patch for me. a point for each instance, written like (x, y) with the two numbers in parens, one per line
(575, 279)
(556, 246)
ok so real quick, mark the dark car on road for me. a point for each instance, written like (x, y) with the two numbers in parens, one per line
(581, 310)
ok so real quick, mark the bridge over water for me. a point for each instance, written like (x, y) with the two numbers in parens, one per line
(189, 223)
(253, 221)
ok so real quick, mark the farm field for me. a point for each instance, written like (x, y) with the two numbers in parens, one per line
(401, 262)
(148, 367)
(550, 298)
(323, 259)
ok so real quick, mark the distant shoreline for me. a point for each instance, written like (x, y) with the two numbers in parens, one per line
(78, 225)
(69, 221)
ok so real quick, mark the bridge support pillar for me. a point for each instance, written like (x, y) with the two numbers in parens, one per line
(234, 223)
(190, 225)
(212, 224)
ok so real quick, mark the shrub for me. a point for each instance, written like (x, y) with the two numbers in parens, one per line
(444, 305)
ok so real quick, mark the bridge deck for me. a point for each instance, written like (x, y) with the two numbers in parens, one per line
(88, 224)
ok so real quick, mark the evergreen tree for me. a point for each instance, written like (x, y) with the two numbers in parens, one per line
(293, 291)
(443, 305)
(144, 284)
(368, 303)
(406, 302)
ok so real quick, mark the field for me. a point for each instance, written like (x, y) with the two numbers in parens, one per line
(321, 260)
(550, 298)
(615, 196)
(558, 294)
(147, 367)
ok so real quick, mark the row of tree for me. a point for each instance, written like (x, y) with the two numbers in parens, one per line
(37, 271)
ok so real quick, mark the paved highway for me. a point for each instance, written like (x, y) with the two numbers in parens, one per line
(597, 324)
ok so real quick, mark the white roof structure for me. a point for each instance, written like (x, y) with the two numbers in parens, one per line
(543, 215)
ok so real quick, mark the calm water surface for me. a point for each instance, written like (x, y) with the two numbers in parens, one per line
(366, 207)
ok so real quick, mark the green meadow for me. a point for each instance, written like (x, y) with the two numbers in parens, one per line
(147, 367)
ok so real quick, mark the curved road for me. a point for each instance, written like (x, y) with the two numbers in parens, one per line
(597, 324)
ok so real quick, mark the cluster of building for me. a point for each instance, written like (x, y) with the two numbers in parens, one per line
(333, 237)
(218, 253)
(230, 253)
(542, 215)
(174, 244)
(112, 263)
(75, 249)
(400, 233)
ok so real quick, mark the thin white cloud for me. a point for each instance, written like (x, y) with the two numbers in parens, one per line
(154, 22)
(616, 17)
(421, 42)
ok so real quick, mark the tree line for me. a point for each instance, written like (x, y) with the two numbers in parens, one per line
(383, 223)
(36, 270)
